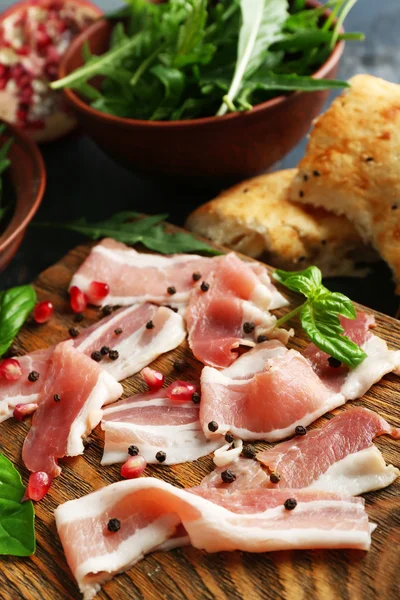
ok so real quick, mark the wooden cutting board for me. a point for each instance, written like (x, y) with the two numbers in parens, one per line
(189, 574)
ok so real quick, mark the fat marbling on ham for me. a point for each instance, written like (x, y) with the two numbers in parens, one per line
(153, 423)
(149, 511)
(230, 309)
(270, 390)
(339, 456)
(74, 391)
(136, 277)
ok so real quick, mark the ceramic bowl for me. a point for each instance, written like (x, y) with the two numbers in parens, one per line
(27, 177)
(233, 146)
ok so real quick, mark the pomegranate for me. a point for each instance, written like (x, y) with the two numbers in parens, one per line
(97, 291)
(34, 35)
(43, 311)
(24, 410)
(38, 486)
(154, 379)
(133, 467)
(10, 369)
(78, 299)
(181, 391)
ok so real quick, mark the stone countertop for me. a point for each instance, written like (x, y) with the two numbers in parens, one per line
(83, 181)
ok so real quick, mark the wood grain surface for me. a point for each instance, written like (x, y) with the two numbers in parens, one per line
(190, 574)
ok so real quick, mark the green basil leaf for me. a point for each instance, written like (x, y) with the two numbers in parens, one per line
(339, 303)
(15, 305)
(145, 230)
(322, 329)
(17, 530)
(306, 282)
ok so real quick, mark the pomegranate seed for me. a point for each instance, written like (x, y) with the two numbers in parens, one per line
(3, 83)
(42, 39)
(38, 124)
(22, 115)
(24, 410)
(3, 70)
(17, 71)
(23, 51)
(38, 486)
(10, 369)
(78, 299)
(43, 311)
(133, 467)
(24, 81)
(182, 391)
(154, 379)
(97, 291)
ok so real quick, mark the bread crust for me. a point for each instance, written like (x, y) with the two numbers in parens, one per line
(256, 218)
(352, 164)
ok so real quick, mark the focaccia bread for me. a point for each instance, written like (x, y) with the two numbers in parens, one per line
(256, 218)
(352, 164)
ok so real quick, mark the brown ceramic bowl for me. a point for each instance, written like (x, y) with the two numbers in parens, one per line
(28, 180)
(235, 145)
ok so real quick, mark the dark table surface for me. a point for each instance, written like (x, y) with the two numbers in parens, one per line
(83, 181)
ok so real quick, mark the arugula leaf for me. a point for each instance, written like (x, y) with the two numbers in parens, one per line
(17, 519)
(319, 314)
(146, 231)
(261, 23)
(15, 305)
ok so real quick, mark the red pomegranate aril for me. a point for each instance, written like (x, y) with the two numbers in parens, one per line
(154, 379)
(21, 411)
(38, 486)
(133, 467)
(43, 311)
(78, 299)
(10, 369)
(98, 290)
(3, 84)
(181, 391)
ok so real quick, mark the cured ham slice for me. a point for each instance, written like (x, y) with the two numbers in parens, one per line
(23, 391)
(136, 277)
(148, 511)
(137, 345)
(280, 392)
(233, 311)
(73, 393)
(153, 423)
(339, 456)
(270, 390)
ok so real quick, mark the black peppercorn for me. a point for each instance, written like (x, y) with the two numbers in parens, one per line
(118, 331)
(196, 397)
(261, 338)
(96, 356)
(229, 438)
(228, 476)
(205, 286)
(316, 173)
(113, 354)
(212, 426)
(107, 310)
(56, 398)
(180, 365)
(334, 362)
(171, 290)
(248, 451)
(114, 525)
(290, 503)
(161, 456)
(133, 450)
(73, 332)
(104, 350)
(196, 276)
(248, 327)
(78, 318)
(274, 477)
(300, 430)
(33, 376)
(149, 325)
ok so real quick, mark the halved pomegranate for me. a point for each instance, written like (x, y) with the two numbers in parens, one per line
(34, 35)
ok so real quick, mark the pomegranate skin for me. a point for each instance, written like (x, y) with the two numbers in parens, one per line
(34, 36)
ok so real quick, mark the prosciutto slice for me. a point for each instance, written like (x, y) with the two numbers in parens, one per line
(339, 456)
(153, 423)
(270, 390)
(23, 391)
(136, 345)
(73, 393)
(135, 277)
(150, 510)
(232, 312)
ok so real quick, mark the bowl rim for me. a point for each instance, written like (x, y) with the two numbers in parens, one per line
(75, 100)
(35, 156)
